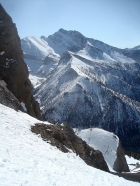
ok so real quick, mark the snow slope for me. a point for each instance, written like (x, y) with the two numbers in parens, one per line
(35, 50)
(26, 159)
(36, 47)
(103, 141)
(132, 163)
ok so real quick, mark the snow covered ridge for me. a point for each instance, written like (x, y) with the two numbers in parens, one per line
(108, 143)
(87, 83)
(35, 51)
(26, 159)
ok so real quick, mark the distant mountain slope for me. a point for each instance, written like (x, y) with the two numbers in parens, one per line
(133, 53)
(35, 51)
(91, 84)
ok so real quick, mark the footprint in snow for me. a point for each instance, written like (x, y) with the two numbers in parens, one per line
(16, 170)
(4, 160)
(2, 165)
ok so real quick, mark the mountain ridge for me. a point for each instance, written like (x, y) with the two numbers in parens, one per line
(92, 84)
(24, 154)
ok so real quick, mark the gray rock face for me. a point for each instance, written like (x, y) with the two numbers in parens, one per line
(64, 138)
(120, 165)
(8, 99)
(13, 69)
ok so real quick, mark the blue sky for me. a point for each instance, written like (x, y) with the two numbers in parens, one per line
(115, 22)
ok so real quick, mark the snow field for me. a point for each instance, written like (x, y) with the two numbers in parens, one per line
(27, 160)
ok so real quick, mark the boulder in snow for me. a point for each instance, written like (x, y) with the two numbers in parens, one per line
(63, 137)
(110, 146)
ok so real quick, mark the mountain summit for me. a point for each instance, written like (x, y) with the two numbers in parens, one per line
(86, 83)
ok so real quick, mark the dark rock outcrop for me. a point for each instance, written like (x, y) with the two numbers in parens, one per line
(8, 99)
(120, 164)
(13, 69)
(133, 154)
(63, 137)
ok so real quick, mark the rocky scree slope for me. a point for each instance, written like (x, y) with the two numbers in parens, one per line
(13, 69)
(92, 84)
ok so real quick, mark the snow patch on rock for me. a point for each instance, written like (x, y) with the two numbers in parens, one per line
(24, 107)
(1, 53)
(103, 141)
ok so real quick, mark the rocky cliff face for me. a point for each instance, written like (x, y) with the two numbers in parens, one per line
(8, 99)
(120, 165)
(63, 137)
(13, 69)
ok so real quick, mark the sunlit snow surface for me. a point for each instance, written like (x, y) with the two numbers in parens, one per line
(132, 164)
(101, 140)
(36, 81)
(27, 160)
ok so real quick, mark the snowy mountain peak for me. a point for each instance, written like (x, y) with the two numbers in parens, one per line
(87, 82)
(70, 33)
(68, 40)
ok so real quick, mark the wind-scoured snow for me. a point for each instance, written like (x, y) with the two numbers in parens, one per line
(27, 160)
